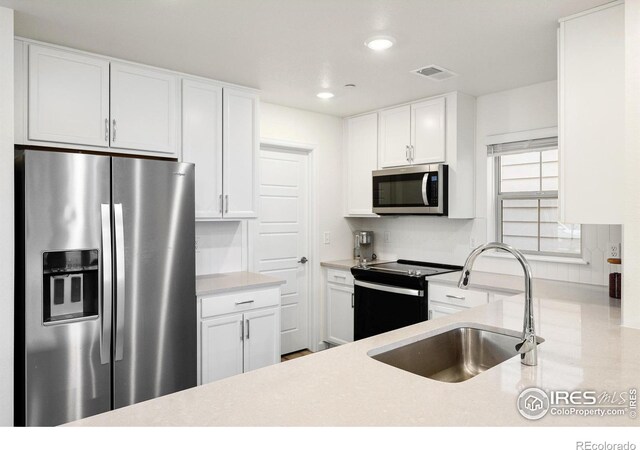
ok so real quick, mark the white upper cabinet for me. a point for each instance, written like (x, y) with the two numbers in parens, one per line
(592, 115)
(394, 137)
(428, 131)
(361, 135)
(202, 144)
(413, 134)
(68, 97)
(240, 150)
(143, 109)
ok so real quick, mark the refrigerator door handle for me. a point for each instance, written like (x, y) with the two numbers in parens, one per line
(107, 286)
(120, 280)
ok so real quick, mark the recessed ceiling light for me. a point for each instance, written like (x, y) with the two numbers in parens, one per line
(379, 43)
(325, 95)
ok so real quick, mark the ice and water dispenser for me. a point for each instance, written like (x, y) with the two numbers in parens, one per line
(70, 285)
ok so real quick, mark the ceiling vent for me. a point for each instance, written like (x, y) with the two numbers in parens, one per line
(435, 73)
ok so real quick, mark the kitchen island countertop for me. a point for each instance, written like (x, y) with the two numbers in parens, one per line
(585, 348)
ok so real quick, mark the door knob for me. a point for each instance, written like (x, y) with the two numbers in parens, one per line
(303, 260)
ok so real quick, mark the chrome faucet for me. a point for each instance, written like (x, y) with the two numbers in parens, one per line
(528, 348)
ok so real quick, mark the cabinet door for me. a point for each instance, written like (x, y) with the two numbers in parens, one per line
(240, 150)
(394, 137)
(202, 144)
(591, 116)
(262, 338)
(68, 97)
(362, 154)
(221, 349)
(440, 310)
(340, 313)
(143, 109)
(428, 131)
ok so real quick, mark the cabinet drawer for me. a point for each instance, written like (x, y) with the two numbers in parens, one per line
(216, 305)
(454, 296)
(340, 276)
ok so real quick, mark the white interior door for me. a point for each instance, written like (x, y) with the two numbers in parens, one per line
(281, 238)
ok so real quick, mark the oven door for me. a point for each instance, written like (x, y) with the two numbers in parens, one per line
(380, 308)
(411, 190)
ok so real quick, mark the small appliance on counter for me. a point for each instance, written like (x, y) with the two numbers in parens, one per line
(392, 295)
(363, 247)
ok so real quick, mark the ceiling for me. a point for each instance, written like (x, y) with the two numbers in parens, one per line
(292, 49)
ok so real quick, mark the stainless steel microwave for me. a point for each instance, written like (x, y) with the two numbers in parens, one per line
(419, 189)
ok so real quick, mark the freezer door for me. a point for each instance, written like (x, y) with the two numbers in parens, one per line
(155, 305)
(62, 340)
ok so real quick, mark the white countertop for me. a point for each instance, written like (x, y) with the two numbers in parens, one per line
(584, 348)
(233, 281)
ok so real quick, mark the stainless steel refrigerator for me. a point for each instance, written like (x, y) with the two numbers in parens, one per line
(105, 289)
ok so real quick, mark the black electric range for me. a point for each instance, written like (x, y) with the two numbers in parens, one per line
(392, 295)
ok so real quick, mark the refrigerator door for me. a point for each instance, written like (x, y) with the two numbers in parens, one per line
(62, 324)
(155, 304)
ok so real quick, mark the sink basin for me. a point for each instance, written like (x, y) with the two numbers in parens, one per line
(453, 356)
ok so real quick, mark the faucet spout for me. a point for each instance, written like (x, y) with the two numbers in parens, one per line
(528, 348)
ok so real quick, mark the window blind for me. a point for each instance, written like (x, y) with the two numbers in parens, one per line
(511, 148)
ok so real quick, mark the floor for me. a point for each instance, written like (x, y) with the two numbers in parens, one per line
(295, 355)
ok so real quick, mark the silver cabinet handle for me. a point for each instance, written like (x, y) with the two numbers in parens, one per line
(248, 327)
(406, 153)
(106, 130)
(120, 280)
(412, 153)
(457, 297)
(107, 286)
(226, 201)
(352, 300)
(220, 203)
(244, 303)
(242, 330)
(429, 315)
(113, 139)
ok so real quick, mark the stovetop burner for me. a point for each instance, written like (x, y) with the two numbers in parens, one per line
(405, 273)
(411, 268)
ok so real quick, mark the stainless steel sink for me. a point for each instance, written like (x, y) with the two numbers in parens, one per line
(455, 355)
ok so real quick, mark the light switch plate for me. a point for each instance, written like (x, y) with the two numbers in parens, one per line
(387, 237)
(327, 238)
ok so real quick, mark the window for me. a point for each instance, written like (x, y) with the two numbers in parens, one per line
(526, 176)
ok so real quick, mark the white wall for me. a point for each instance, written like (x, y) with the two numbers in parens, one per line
(445, 240)
(6, 218)
(221, 247)
(631, 249)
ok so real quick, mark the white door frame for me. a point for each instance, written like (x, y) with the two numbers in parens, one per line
(313, 337)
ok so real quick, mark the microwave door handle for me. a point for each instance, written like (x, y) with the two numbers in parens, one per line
(425, 182)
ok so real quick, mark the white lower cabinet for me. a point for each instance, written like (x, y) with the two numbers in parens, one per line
(239, 332)
(339, 301)
(445, 300)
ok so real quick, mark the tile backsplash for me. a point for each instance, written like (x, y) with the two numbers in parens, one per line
(438, 239)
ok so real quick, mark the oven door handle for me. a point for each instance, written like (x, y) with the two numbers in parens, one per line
(391, 289)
